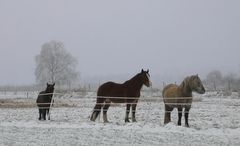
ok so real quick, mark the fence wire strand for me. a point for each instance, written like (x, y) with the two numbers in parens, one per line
(125, 100)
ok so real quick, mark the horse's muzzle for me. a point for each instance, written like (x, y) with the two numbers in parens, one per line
(202, 91)
(149, 84)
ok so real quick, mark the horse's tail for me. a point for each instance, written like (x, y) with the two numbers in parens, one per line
(97, 108)
(40, 99)
(163, 92)
(166, 88)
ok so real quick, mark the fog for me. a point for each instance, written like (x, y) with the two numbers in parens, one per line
(116, 39)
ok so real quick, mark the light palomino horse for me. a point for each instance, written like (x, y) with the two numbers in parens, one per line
(180, 97)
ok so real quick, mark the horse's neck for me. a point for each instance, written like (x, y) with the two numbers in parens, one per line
(134, 83)
(185, 88)
(48, 92)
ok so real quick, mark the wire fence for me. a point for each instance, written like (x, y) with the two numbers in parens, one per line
(146, 108)
(90, 100)
(35, 94)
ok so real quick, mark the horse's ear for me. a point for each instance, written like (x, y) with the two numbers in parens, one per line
(142, 71)
(148, 71)
(53, 84)
(47, 84)
(196, 75)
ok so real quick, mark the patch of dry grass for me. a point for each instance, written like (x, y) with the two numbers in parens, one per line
(31, 103)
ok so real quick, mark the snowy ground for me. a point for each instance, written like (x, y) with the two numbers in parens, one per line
(215, 120)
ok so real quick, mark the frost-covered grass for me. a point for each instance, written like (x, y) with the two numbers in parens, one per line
(214, 120)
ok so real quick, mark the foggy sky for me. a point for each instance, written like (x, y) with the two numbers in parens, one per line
(109, 37)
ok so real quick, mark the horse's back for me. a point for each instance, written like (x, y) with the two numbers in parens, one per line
(171, 94)
(42, 99)
(170, 90)
(110, 89)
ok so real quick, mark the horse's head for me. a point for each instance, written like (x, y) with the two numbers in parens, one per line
(146, 78)
(50, 88)
(196, 84)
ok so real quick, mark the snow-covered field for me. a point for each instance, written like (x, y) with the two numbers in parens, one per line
(214, 120)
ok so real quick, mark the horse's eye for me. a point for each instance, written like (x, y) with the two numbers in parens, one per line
(199, 83)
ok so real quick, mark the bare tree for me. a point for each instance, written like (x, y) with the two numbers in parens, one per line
(55, 64)
(233, 82)
(229, 82)
(214, 78)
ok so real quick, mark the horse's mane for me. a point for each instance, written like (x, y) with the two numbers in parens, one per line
(185, 86)
(134, 80)
(47, 90)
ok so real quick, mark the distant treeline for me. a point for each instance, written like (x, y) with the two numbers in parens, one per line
(18, 88)
(60, 88)
(214, 81)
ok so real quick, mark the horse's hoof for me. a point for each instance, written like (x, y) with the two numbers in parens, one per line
(127, 121)
(165, 123)
(187, 125)
(134, 120)
(92, 119)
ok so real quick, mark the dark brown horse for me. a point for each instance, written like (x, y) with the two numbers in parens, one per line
(180, 97)
(128, 92)
(44, 101)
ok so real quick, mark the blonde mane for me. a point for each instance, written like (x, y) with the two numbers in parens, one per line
(186, 87)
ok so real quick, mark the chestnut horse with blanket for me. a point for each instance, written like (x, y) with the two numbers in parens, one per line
(180, 97)
(128, 92)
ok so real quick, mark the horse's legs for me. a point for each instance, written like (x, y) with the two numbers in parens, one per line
(97, 108)
(167, 117)
(105, 109)
(179, 116)
(186, 113)
(47, 110)
(134, 105)
(44, 113)
(127, 112)
(40, 113)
